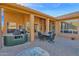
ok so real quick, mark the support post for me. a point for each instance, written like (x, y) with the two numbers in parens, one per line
(32, 27)
(57, 27)
(47, 25)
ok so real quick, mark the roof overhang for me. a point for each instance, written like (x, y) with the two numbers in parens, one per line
(70, 16)
(25, 10)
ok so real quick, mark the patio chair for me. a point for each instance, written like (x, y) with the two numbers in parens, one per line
(51, 37)
(40, 36)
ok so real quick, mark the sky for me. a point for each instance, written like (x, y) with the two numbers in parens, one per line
(54, 9)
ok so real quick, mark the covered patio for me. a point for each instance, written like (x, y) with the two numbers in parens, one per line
(14, 16)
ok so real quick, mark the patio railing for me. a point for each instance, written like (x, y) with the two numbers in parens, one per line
(70, 31)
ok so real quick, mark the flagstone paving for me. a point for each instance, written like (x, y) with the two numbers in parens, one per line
(61, 47)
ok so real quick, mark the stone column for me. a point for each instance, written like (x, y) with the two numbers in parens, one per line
(47, 25)
(57, 27)
(32, 27)
(38, 27)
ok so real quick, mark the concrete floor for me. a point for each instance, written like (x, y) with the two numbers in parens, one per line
(61, 47)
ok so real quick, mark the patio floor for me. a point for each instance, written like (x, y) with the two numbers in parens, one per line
(61, 47)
